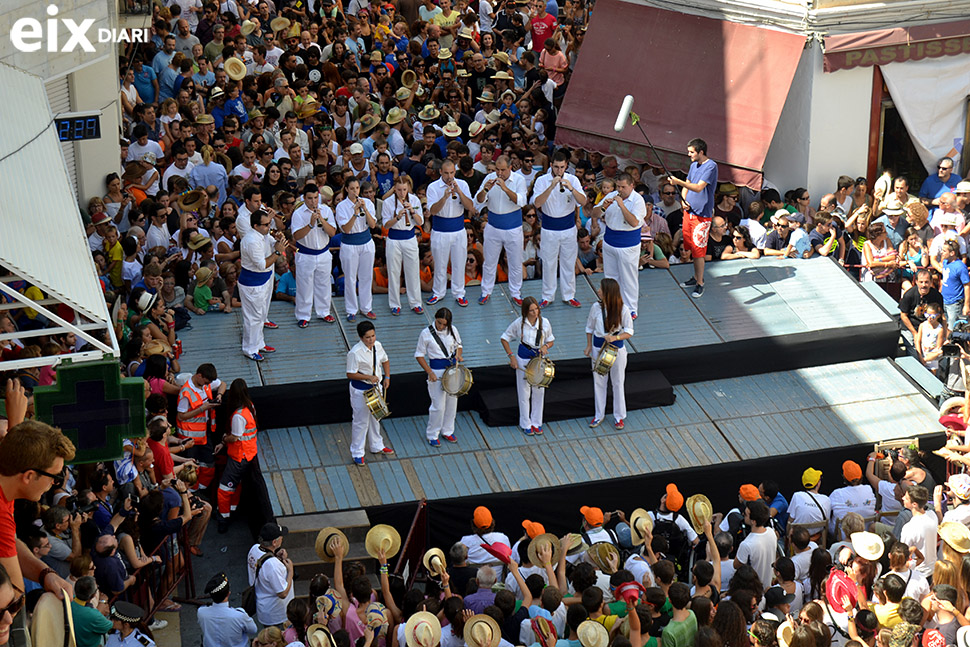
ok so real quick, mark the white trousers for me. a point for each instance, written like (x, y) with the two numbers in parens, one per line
(357, 262)
(441, 415)
(255, 308)
(622, 263)
(364, 427)
(495, 240)
(398, 253)
(617, 375)
(531, 398)
(445, 246)
(313, 279)
(559, 247)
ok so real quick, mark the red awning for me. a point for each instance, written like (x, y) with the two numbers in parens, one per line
(882, 46)
(690, 76)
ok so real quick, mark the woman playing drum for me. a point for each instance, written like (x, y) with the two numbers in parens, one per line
(366, 364)
(439, 347)
(612, 315)
(535, 338)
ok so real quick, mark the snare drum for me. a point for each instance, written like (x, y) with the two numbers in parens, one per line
(457, 380)
(376, 403)
(605, 359)
(540, 371)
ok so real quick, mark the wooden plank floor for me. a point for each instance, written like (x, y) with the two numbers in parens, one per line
(721, 421)
(744, 300)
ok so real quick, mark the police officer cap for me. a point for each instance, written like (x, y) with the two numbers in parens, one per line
(217, 584)
(127, 612)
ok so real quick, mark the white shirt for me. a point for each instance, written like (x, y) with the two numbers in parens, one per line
(522, 330)
(428, 347)
(498, 201)
(524, 571)
(959, 514)
(614, 217)
(594, 322)
(247, 174)
(802, 561)
(758, 551)
(477, 554)
(346, 213)
(559, 203)
(485, 12)
(917, 587)
(253, 251)
(361, 359)
(270, 607)
(920, 531)
(759, 235)
(173, 171)
(802, 508)
(151, 152)
(851, 498)
(392, 207)
(452, 208)
(317, 237)
(157, 236)
(641, 570)
(887, 491)
(395, 143)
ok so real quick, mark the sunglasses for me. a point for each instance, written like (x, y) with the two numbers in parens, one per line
(14, 607)
(669, 193)
(58, 479)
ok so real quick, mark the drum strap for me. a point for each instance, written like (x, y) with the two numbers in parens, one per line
(373, 365)
(441, 344)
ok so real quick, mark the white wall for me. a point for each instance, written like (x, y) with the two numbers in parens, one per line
(93, 86)
(786, 164)
(839, 129)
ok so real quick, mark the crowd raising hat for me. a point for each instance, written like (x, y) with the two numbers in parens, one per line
(546, 539)
(640, 525)
(434, 561)
(382, 537)
(329, 604)
(248, 27)
(377, 617)
(327, 539)
(592, 634)
(319, 636)
(198, 241)
(279, 24)
(482, 631)
(235, 68)
(604, 556)
(700, 511)
(422, 629)
(956, 535)
(192, 200)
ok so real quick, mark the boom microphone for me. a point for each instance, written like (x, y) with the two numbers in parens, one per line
(624, 113)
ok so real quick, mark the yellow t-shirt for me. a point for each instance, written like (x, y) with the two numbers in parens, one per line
(116, 254)
(446, 40)
(888, 614)
(607, 621)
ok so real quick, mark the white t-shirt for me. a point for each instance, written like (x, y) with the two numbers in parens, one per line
(887, 490)
(477, 554)
(803, 508)
(920, 531)
(759, 235)
(485, 20)
(270, 607)
(852, 498)
(641, 570)
(758, 551)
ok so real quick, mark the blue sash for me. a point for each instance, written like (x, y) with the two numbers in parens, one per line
(510, 220)
(360, 238)
(526, 352)
(561, 223)
(440, 364)
(308, 250)
(400, 234)
(621, 238)
(598, 342)
(447, 225)
(362, 386)
(253, 279)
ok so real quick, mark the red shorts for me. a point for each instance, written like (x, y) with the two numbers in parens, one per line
(695, 231)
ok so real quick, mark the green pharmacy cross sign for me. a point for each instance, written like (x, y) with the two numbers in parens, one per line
(95, 407)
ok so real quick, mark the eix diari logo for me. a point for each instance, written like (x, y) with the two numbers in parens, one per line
(29, 34)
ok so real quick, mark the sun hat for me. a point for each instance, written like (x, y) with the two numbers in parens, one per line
(493, 117)
(279, 23)
(428, 113)
(216, 92)
(368, 122)
(810, 477)
(422, 629)
(949, 219)
(451, 129)
(960, 484)
(465, 32)
(699, 510)
(867, 545)
(475, 128)
(329, 603)
(198, 241)
(893, 206)
(382, 536)
(592, 634)
(444, 54)
(487, 97)
(640, 523)
(785, 633)
(235, 68)
(202, 275)
(503, 76)
(482, 631)
(395, 116)
(547, 539)
(146, 301)
(376, 56)
(377, 617)
(248, 27)
(576, 543)
(600, 553)
(319, 636)
(100, 218)
(499, 551)
(501, 57)
(956, 535)
(434, 561)
(962, 187)
(192, 200)
(402, 94)
(727, 188)
(840, 591)
(322, 545)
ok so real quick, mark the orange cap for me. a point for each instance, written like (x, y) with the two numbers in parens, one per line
(533, 528)
(675, 500)
(851, 471)
(482, 517)
(593, 516)
(749, 492)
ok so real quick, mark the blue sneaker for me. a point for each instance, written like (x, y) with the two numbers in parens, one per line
(435, 443)
(433, 300)
(538, 431)
(395, 311)
(418, 310)
(256, 357)
(483, 300)
(352, 318)
(359, 461)
(531, 431)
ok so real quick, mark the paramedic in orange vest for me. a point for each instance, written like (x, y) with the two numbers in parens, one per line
(196, 416)
(241, 447)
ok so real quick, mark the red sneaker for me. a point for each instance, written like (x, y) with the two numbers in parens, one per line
(268, 349)
(574, 303)
(270, 325)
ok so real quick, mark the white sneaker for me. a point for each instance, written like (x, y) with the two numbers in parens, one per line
(158, 625)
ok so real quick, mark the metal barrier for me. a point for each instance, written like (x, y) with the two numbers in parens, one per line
(156, 582)
(415, 544)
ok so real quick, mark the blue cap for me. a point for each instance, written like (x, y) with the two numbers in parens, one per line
(623, 535)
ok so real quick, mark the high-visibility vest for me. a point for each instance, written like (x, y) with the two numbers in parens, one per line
(196, 426)
(245, 447)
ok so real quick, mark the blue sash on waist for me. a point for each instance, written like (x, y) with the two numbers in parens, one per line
(598, 341)
(447, 225)
(621, 238)
(510, 220)
(363, 386)
(400, 234)
(360, 238)
(526, 352)
(253, 279)
(309, 250)
(441, 363)
(561, 223)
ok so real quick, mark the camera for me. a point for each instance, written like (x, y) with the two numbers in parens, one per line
(195, 502)
(76, 507)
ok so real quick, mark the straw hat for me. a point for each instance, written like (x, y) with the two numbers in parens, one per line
(493, 117)
(640, 522)
(501, 57)
(540, 541)
(422, 629)
(785, 633)
(156, 347)
(319, 636)
(402, 94)
(576, 544)
(395, 116)
(465, 32)
(451, 129)
(329, 603)
(309, 108)
(192, 200)
(487, 97)
(198, 241)
(235, 68)
(409, 78)
(503, 76)
(463, 73)
(376, 56)
(592, 634)
(279, 24)
(48, 626)
(428, 113)
(146, 301)
(482, 631)
(956, 535)
(699, 510)
(248, 27)
(368, 123)
(444, 54)
(475, 128)
(377, 617)
(599, 554)
(434, 561)
(205, 118)
(382, 536)
(202, 275)
(324, 538)
(869, 545)
(295, 30)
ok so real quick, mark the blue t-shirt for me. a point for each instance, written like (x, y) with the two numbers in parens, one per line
(933, 187)
(955, 276)
(143, 83)
(702, 202)
(287, 285)
(205, 80)
(780, 504)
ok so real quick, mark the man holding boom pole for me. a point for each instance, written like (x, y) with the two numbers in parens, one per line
(698, 192)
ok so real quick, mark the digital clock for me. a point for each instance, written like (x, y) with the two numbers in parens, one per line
(78, 127)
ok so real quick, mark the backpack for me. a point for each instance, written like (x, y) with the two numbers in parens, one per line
(677, 542)
(249, 594)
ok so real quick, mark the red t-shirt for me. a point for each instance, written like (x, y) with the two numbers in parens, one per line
(163, 459)
(542, 29)
(8, 529)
